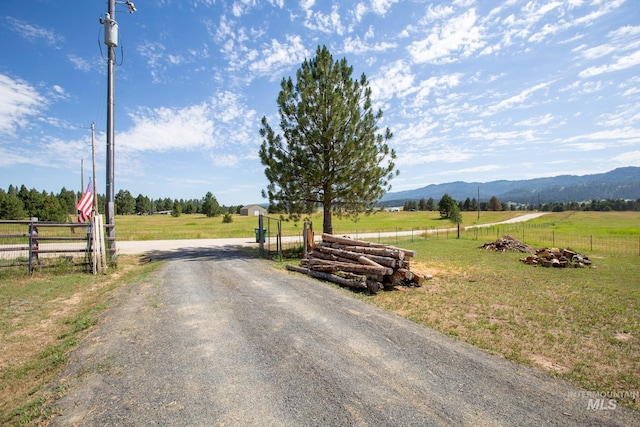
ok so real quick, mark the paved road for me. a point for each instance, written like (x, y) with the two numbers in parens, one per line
(218, 339)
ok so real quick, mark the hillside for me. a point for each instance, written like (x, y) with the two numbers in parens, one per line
(621, 183)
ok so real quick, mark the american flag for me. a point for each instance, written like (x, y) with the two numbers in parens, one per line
(85, 204)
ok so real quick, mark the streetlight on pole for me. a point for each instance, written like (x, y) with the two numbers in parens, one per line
(111, 40)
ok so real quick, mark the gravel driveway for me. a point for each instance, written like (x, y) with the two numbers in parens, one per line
(217, 338)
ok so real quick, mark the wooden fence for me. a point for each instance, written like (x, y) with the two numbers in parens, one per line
(34, 244)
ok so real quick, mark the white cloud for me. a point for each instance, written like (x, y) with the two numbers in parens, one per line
(537, 121)
(437, 13)
(80, 63)
(515, 100)
(625, 135)
(35, 33)
(19, 101)
(10, 158)
(279, 55)
(357, 46)
(381, 7)
(459, 35)
(154, 52)
(200, 126)
(630, 158)
(330, 23)
(442, 155)
(621, 63)
(394, 80)
(166, 129)
(227, 160)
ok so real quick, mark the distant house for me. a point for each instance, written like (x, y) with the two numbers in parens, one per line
(253, 210)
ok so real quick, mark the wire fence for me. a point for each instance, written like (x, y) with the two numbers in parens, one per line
(535, 235)
(539, 235)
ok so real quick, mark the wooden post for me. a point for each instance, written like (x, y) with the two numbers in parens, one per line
(260, 234)
(304, 240)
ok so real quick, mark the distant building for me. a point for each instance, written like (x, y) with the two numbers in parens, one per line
(253, 210)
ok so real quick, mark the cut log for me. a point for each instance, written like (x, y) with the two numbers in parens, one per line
(323, 265)
(385, 261)
(361, 284)
(297, 269)
(327, 256)
(343, 240)
(366, 261)
(373, 286)
(391, 253)
(353, 281)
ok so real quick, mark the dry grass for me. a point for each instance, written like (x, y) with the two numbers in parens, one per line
(41, 318)
(579, 324)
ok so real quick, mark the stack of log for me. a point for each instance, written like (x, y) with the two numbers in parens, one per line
(359, 264)
(557, 257)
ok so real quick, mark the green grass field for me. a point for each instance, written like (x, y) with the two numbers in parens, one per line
(579, 324)
(158, 227)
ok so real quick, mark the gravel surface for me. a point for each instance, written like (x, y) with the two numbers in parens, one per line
(216, 338)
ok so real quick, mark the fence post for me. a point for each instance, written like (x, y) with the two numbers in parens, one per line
(279, 239)
(305, 238)
(260, 235)
(33, 242)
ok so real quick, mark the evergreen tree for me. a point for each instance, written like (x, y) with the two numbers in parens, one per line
(143, 205)
(431, 204)
(67, 200)
(473, 206)
(455, 216)
(125, 203)
(11, 207)
(444, 205)
(494, 204)
(329, 153)
(210, 206)
(177, 209)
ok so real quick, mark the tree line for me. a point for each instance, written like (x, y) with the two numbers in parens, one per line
(445, 203)
(494, 204)
(22, 203)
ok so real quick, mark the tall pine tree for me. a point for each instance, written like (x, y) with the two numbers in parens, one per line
(330, 152)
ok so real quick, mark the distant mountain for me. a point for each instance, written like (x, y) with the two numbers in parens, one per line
(621, 183)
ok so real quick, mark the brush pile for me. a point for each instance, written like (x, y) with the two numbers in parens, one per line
(557, 257)
(359, 264)
(508, 244)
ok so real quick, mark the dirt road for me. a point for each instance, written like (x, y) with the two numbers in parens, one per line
(218, 339)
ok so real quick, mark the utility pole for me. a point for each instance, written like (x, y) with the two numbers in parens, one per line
(111, 28)
(93, 157)
(111, 40)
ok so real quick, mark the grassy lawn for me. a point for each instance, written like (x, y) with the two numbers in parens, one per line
(579, 324)
(582, 325)
(159, 227)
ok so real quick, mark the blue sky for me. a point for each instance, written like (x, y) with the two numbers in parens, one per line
(472, 90)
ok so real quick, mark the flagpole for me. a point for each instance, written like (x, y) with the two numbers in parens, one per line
(81, 176)
(93, 155)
